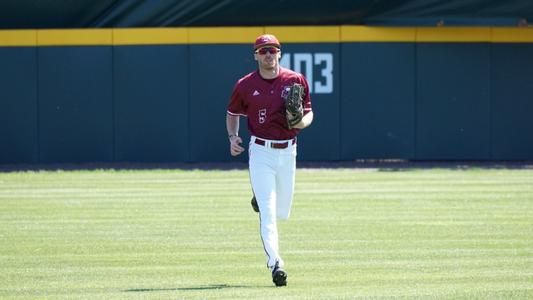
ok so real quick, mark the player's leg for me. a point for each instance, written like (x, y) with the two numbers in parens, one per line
(263, 180)
(285, 171)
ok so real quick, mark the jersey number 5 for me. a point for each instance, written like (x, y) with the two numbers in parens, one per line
(262, 116)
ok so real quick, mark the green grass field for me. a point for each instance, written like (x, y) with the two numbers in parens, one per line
(353, 233)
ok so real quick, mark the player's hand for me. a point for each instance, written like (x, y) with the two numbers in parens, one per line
(235, 147)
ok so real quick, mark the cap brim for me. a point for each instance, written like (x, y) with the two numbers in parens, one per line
(267, 44)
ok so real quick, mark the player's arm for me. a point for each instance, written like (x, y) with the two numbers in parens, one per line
(232, 126)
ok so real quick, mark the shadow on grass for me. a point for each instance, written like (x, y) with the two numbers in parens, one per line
(191, 288)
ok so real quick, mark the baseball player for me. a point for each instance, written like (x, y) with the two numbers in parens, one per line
(267, 98)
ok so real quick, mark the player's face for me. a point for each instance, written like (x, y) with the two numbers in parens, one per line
(268, 57)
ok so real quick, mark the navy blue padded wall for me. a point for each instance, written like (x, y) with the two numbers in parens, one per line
(512, 101)
(453, 101)
(378, 104)
(214, 71)
(151, 92)
(18, 105)
(145, 104)
(75, 104)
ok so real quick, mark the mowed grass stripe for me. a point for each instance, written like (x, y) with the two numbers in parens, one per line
(174, 234)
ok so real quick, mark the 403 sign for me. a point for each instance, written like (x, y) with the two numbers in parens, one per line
(316, 67)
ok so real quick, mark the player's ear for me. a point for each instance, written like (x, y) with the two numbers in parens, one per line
(255, 56)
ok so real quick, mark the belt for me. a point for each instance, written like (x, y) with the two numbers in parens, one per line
(275, 145)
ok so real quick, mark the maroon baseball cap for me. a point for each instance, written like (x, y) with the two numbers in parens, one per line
(266, 40)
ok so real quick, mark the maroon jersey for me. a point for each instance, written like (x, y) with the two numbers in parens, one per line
(263, 102)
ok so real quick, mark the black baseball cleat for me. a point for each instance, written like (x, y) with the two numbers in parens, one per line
(279, 276)
(254, 204)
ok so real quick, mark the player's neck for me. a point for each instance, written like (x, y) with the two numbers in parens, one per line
(269, 73)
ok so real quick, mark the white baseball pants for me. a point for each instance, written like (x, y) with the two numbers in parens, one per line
(272, 173)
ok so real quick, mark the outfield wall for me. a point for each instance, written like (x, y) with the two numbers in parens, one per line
(160, 95)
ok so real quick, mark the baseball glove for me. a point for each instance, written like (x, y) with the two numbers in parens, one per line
(294, 109)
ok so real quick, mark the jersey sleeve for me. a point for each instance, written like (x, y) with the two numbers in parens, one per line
(236, 105)
(307, 97)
